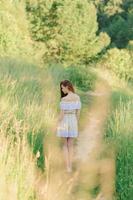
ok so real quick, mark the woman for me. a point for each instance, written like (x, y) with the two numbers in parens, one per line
(67, 128)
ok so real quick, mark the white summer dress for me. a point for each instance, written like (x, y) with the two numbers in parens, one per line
(68, 126)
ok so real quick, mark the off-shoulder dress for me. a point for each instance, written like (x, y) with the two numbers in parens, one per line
(68, 126)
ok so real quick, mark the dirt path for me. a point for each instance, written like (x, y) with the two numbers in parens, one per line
(95, 159)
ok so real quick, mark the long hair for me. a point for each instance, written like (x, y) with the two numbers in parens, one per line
(66, 83)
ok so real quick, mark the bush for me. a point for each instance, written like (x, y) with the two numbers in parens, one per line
(81, 76)
(67, 29)
(119, 62)
(15, 39)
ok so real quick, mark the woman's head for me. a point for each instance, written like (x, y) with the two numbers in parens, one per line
(65, 87)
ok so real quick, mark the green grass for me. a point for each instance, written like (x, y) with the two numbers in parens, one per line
(29, 105)
(25, 118)
(120, 133)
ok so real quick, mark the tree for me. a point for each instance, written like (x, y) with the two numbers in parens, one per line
(67, 28)
(14, 34)
(116, 18)
(119, 62)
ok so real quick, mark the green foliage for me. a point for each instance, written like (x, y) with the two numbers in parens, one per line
(119, 62)
(15, 40)
(119, 130)
(36, 142)
(67, 28)
(82, 77)
(116, 18)
(119, 31)
(23, 88)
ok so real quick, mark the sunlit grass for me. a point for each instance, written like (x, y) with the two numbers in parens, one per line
(16, 160)
(120, 133)
(27, 111)
(31, 158)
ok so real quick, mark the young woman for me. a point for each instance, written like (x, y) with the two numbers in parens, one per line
(67, 127)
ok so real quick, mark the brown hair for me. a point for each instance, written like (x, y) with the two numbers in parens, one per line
(66, 83)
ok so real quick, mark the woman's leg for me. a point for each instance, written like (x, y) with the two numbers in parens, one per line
(70, 151)
(65, 151)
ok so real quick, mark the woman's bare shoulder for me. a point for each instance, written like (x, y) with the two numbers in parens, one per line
(64, 98)
(77, 97)
(72, 97)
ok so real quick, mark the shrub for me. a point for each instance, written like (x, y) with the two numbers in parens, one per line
(81, 76)
(119, 62)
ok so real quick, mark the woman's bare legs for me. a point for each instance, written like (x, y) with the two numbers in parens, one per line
(66, 152)
(70, 151)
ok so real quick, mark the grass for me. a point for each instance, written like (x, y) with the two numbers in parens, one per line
(29, 107)
(26, 116)
(120, 133)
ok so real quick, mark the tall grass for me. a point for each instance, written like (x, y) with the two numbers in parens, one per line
(27, 111)
(16, 162)
(28, 103)
(120, 133)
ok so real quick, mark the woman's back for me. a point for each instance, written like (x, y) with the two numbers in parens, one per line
(71, 97)
(70, 102)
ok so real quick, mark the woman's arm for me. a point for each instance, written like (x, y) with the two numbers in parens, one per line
(78, 114)
(61, 114)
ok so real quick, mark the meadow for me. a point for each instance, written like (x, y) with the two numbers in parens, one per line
(41, 43)
(29, 107)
